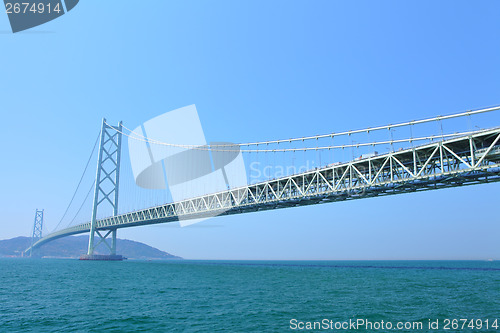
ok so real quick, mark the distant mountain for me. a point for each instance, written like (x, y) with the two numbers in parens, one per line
(75, 246)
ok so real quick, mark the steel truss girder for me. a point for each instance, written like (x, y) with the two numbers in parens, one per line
(460, 161)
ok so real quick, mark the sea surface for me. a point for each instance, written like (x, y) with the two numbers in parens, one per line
(50, 295)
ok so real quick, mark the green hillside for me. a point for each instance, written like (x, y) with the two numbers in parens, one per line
(74, 246)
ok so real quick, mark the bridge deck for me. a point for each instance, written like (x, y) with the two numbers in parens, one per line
(463, 160)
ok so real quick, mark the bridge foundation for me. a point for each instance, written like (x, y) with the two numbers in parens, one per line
(102, 257)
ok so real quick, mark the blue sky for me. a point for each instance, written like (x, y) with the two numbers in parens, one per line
(256, 70)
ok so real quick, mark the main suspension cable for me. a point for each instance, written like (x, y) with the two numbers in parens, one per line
(81, 206)
(315, 137)
(356, 145)
(80, 182)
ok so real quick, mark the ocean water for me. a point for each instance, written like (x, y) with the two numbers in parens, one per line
(52, 295)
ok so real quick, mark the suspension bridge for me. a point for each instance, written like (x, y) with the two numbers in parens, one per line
(377, 164)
